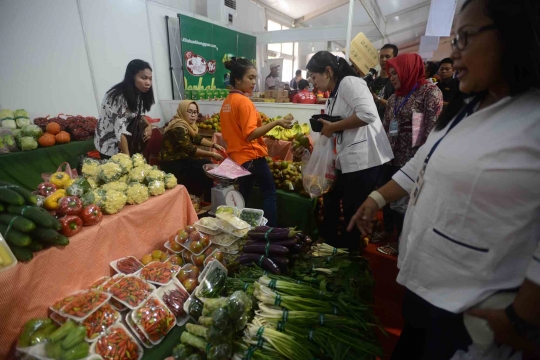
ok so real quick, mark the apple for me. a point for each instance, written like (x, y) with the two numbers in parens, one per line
(194, 236)
(198, 259)
(190, 285)
(189, 229)
(182, 237)
(196, 247)
(219, 256)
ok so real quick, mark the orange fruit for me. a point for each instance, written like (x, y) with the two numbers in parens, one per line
(157, 254)
(164, 256)
(147, 259)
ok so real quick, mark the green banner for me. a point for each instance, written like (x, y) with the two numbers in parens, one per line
(205, 48)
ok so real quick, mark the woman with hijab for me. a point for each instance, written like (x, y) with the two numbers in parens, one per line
(180, 154)
(410, 116)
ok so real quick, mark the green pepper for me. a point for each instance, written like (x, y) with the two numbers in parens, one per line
(42, 334)
(74, 337)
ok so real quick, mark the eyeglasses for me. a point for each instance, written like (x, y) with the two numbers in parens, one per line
(461, 41)
(193, 112)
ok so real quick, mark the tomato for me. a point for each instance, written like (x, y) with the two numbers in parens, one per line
(205, 240)
(198, 260)
(196, 247)
(218, 255)
(189, 229)
(182, 237)
(194, 236)
(190, 284)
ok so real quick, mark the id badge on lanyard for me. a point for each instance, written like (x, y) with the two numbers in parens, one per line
(394, 128)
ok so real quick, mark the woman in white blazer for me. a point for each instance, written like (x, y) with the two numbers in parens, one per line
(472, 228)
(360, 143)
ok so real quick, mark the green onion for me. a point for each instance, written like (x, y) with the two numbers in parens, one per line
(197, 330)
(195, 341)
(326, 250)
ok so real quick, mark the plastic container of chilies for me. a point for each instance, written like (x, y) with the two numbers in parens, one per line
(117, 329)
(84, 304)
(131, 285)
(138, 332)
(98, 323)
(153, 311)
(176, 289)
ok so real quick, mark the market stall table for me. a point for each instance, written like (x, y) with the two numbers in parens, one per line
(28, 289)
(24, 168)
(276, 148)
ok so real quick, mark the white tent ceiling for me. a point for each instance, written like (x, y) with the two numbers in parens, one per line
(402, 22)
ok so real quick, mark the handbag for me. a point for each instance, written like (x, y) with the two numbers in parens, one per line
(316, 124)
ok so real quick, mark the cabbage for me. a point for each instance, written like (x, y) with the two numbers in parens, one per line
(21, 118)
(28, 143)
(6, 114)
(32, 130)
(20, 113)
(9, 123)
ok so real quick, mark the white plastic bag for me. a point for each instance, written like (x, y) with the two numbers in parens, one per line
(319, 173)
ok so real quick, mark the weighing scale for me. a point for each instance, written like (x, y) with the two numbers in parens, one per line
(224, 192)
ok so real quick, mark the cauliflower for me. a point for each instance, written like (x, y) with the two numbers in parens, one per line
(90, 167)
(156, 187)
(93, 182)
(115, 185)
(170, 181)
(94, 197)
(123, 160)
(114, 202)
(148, 167)
(138, 160)
(154, 174)
(137, 193)
(124, 179)
(137, 174)
(110, 171)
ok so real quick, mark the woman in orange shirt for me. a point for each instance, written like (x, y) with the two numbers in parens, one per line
(242, 129)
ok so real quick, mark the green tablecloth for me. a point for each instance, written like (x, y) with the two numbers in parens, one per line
(164, 349)
(25, 167)
(293, 210)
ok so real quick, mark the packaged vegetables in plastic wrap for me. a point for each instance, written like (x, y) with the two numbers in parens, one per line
(154, 319)
(156, 187)
(319, 173)
(117, 343)
(137, 193)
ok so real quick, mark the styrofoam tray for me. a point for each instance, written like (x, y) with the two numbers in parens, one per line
(235, 221)
(209, 223)
(224, 239)
(137, 332)
(99, 282)
(64, 301)
(174, 271)
(168, 247)
(115, 266)
(150, 290)
(234, 210)
(10, 253)
(118, 318)
(180, 321)
(38, 352)
(208, 258)
(212, 265)
(231, 230)
(153, 296)
(197, 278)
(188, 242)
(109, 331)
(259, 213)
(82, 318)
(203, 229)
(107, 285)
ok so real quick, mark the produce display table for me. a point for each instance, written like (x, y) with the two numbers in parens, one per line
(28, 289)
(276, 148)
(24, 168)
(293, 210)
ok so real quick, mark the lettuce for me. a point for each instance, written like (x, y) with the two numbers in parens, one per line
(28, 143)
(32, 130)
(9, 123)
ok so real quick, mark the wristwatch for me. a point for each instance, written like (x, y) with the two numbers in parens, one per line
(523, 327)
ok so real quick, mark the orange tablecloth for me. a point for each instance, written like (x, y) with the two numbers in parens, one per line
(276, 148)
(27, 290)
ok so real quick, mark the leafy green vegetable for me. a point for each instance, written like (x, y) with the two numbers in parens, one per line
(32, 131)
(213, 284)
(220, 319)
(28, 143)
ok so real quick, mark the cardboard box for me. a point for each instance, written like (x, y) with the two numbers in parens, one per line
(363, 54)
(282, 94)
(283, 100)
(269, 100)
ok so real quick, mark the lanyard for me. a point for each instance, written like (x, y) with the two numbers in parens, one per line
(404, 101)
(469, 109)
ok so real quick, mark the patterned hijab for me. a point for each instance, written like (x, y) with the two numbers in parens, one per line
(410, 70)
(180, 119)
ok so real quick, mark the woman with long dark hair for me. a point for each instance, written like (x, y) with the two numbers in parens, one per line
(122, 127)
(470, 246)
(243, 130)
(360, 142)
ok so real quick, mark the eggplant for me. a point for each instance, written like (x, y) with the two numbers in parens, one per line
(297, 248)
(271, 234)
(261, 248)
(261, 260)
(285, 243)
(281, 262)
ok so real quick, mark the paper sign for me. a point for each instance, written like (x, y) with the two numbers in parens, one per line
(363, 54)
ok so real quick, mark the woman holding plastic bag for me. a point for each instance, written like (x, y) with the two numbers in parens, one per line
(471, 233)
(357, 142)
(410, 116)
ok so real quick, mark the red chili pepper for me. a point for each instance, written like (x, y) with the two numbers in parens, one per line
(71, 225)
(70, 205)
(91, 215)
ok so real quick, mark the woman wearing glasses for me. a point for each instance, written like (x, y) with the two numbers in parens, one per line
(180, 154)
(472, 229)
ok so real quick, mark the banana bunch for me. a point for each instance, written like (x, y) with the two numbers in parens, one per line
(279, 133)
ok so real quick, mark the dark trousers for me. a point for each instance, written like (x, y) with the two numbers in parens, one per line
(190, 173)
(391, 218)
(430, 333)
(352, 189)
(260, 173)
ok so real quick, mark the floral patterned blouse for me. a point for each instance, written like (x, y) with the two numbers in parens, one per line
(426, 100)
(178, 145)
(114, 118)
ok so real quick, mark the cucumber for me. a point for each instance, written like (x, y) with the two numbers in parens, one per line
(14, 237)
(22, 254)
(57, 225)
(80, 351)
(35, 246)
(2, 207)
(11, 197)
(61, 240)
(44, 234)
(30, 198)
(18, 222)
(38, 215)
